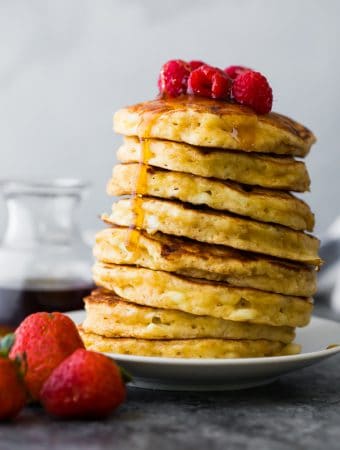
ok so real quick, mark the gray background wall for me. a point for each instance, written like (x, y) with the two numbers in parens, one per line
(67, 65)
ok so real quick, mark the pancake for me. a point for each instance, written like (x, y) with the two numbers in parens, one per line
(188, 348)
(111, 316)
(212, 123)
(273, 172)
(259, 204)
(199, 260)
(215, 228)
(204, 298)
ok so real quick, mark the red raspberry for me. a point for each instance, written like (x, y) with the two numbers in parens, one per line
(173, 78)
(209, 82)
(234, 71)
(252, 89)
(195, 64)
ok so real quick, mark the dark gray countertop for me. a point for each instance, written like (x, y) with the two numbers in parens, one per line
(301, 411)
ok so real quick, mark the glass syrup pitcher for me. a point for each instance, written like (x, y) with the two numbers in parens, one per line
(44, 263)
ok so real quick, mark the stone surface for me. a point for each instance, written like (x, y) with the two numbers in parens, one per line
(300, 411)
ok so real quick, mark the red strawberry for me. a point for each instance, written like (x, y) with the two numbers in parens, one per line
(234, 71)
(12, 390)
(209, 82)
(173, 78)
(85, 385)
(45, 339)
(252, 89)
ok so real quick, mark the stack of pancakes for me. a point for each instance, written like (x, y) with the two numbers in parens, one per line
(209, 255)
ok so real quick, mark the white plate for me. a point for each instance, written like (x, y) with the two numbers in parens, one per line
(227, 374)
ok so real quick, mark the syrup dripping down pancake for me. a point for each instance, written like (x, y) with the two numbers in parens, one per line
(206, 261)
(215, 227)
(259, 204)
(210, 123)
(274, 172)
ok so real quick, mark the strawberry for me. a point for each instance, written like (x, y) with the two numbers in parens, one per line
(45, 339)
(12, 390)
(84, 385)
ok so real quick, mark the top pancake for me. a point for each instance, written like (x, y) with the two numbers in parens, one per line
(211, 123)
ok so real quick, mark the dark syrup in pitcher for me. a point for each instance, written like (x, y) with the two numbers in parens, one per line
(61, 295)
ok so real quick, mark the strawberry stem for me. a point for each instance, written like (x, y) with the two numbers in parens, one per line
(125, 375)
(6, 344)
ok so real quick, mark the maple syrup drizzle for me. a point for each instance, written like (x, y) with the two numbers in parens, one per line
(149, 115)
(246, 136)
(244, 132)
(141, 180)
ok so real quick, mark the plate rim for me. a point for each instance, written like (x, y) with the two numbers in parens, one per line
(225, 361)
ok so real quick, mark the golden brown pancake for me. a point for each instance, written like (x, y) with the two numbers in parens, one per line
(212, 123)
(204, 298)
(259, 204)
(199, 260)
(216, 228)
(274, 172)
(188, 348)
(109, 315)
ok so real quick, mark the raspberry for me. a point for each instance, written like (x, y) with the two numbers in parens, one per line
(195, 64)
(173, 78)
(209, 82)
(234, 71)
(252, 89)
